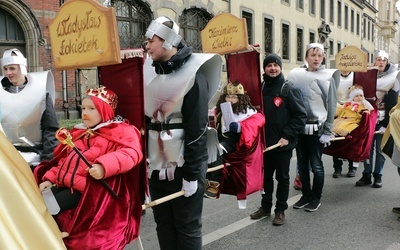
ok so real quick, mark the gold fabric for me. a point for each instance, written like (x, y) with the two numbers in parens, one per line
(393, 127)
(25, 222)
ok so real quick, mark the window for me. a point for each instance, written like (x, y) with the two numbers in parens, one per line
(312, 7)
(352, 21)
(332, 11)
(339, 47)
(285, 41)
(372, 32)
(339, 14)
(10, 30)
(268, 24)
(358, 24)
(133, 18)
(322, 8)
(388, 10)
(191, 22)
(300, 45)
(331, 48)
(346, 17)
(249, 21)
(369, 30)
(312, 37)
(365, 28)
(300, 4)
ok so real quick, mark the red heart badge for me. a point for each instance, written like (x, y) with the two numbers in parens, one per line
(277, 101)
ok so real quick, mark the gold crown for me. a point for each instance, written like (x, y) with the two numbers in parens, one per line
(234, 89)
(105, 95)
(354, 87)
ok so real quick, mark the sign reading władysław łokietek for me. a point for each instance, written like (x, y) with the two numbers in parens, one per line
(84, 34)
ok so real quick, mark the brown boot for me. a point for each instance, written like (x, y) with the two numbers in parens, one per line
(211, 189)
(279, 219)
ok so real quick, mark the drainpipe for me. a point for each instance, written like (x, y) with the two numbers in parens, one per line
(78, 91)
(65, 94)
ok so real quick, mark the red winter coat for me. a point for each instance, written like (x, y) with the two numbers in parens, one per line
(116, 146)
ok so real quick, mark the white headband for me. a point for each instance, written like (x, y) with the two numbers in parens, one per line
(315, 45)
(171, 36)
(382, 54)
(9, 59)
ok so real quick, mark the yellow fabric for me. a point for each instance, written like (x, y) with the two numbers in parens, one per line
(25, 222)
(347, 120)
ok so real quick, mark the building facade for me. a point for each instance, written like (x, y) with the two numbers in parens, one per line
(284, 27)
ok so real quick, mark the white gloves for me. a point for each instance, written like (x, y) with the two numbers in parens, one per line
(325, 139)
(382, 130)
(190, 187)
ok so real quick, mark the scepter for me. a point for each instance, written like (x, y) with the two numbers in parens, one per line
(64, 136)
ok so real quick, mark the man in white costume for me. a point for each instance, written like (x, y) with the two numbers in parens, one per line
(387, 88)
(27, 104)
(318, 86)
(178, 87)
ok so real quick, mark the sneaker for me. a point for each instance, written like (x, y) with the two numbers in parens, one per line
(302, 202)
(377, 181)
(313, 206)
(297, 183)
(352, 172)
(279, 219)
(261, 212)
(336, 174)
(211, 189)
(396, 210)
(364, 181)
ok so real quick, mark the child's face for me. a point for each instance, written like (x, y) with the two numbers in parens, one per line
(314, 58)
(232, 98)
(358, 98)
(90, 115)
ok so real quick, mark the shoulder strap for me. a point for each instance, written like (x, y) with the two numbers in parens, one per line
(285, 88)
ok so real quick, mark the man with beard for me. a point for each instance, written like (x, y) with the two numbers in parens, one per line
(285, 118)
(178, 85)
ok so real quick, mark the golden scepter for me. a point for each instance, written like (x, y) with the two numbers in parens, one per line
(65, 137)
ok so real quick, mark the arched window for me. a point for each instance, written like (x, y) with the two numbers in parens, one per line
(192, 21)
(11, 33)
(133, 18)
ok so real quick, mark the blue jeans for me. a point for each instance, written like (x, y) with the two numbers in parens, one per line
(309, 153)
(379, 157)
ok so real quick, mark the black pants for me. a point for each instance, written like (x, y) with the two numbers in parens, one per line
(65, 199)
(179, 220)
(338, 163)
(278, 163)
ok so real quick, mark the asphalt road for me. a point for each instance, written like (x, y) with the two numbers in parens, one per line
(350, 217)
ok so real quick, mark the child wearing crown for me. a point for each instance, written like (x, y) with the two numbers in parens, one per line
(348, 116)
(113, 148)
(228, 134)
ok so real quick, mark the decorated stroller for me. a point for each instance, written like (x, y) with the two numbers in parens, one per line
(242, 173)
(356, 146)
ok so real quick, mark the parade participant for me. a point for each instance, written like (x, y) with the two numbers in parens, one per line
(387, 87)
(318, 86)
(286, 116)
(392, 132)
(113, 148)
(346, 81)
(348, 116)
(32, 225)
(27, 101)
(178, 85)
(229, 136)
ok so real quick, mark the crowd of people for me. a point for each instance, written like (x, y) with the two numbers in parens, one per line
(303, 112)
